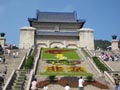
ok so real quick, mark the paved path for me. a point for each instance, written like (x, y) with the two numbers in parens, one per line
(58, 87)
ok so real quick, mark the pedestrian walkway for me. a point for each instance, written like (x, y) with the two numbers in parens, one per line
(58, 87)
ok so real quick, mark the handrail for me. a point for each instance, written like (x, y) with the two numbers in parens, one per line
(29, 52)
(36, 61)
(33, 72)
(88, 52)
(109, 78)
(30, 79)
(99, 72)
(22, 62)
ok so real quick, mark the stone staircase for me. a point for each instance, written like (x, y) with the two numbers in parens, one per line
(11, 63)
(113, 64)
(19, 82)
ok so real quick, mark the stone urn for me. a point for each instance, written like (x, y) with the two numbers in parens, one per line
(2, 34)
(114, 37)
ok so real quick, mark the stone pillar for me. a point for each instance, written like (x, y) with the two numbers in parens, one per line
(2, 41)
(27, 37)
(115, 44)
(86, 38)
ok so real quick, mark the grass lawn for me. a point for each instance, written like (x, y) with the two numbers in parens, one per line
(51, 53)
(66, 73)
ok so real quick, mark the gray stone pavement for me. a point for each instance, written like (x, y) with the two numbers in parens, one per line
(58, 87)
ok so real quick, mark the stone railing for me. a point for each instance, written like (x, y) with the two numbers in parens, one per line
(31, 75)
(36, 60)
(94, 66)
(33, 71)
(10, 81)
(110, 79)
(88, 51)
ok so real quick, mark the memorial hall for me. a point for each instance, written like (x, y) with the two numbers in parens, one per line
(56, 30)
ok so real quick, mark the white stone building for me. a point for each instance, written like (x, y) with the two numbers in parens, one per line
(56, 29)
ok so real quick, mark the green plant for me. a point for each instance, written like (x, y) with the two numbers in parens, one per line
(70, 54)
(99, 64)
(67, 73)
(29, 62)
(89, 78)
(52, 77)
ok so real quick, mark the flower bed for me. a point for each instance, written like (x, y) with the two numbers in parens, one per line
(60, 68)
(58, 53)
(41, 84)
(73, 82)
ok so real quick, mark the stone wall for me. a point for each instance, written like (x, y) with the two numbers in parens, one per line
(2, 41)
(27, 37)
(115, 45)
(86, 38)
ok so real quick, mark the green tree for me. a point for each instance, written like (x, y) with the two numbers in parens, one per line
(102, 44)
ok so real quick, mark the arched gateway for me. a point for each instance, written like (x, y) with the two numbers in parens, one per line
(56, 29)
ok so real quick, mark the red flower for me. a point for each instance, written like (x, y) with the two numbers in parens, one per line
(56, 51)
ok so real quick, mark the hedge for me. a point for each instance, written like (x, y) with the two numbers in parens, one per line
(99, 64)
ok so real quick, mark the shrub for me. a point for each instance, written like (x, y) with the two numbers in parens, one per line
(29, 62)
(89, 78)
(52, 77)
(99, 64)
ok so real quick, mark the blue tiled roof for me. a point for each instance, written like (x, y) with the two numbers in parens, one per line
(57, 17)
(58, 33)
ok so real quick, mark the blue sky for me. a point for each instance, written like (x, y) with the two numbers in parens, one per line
(101, 15)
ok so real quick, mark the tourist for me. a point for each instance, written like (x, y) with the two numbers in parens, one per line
(5, 71)
(34, 84)
(67, 87)
(8, 51)
(116, 58)
(16, 54)
(117, 80)
(3, 59)
(45, 87)
(80, 83)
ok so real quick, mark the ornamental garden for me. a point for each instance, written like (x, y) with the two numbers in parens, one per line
(67, 64)
(62, 62)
